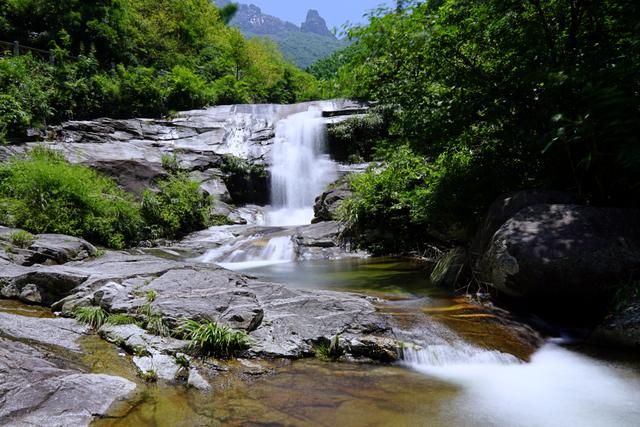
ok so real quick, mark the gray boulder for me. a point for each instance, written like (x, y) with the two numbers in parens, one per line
(328, 202)
(46, 248)
(36, 390)
(563, 252)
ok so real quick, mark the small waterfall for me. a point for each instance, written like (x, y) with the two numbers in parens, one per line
(251, 252)
(454, 354)
(300, 170)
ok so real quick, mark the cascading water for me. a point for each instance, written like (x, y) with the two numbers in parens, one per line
(300, 169)
(556, 388)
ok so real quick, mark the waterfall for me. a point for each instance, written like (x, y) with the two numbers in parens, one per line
(251, 252)
(300, 168)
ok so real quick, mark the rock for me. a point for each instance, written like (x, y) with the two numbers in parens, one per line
(622, 327)
(136, 340)
(131, 175)
(281, 322)
(562, 253)
(322, 241)
(449, 268)
(379, 349)
(329, 201)
(196, 380)
(36, 391)
(42, 284)
(509, 204)
(59, 332)
(47, 248)
(316, 24)
(212, 183)
(161, 366)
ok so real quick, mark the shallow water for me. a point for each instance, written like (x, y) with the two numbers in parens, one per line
(468, 378)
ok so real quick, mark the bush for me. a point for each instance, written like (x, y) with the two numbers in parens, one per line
(407, 201)
(44, 194)
(212, 340)
(177, 208)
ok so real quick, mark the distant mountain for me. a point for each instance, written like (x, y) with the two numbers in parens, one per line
(302, 45)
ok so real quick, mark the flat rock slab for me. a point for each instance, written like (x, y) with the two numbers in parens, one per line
(35, 391)
(59, 332)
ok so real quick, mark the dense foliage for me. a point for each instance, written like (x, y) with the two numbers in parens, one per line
(43, 193)
(123, 58)
(493, 96)
(179, 206)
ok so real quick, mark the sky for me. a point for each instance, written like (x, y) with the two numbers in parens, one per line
(335, 12)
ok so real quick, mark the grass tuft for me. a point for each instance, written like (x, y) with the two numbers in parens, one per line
(92, 316)
(210, 339)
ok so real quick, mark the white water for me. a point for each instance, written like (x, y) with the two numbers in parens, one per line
(251, 252)
(556, 388)
(300, 169)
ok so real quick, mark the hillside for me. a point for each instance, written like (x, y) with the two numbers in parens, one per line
(303, 45)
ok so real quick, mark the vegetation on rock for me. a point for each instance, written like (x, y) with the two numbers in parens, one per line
(211, 339)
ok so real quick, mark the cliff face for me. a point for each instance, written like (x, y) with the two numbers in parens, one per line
(302, 45)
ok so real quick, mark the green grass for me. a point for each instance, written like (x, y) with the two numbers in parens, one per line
(151, 296)
(210, 339)
(326, 350)
(120, 319)
(92, 316)
(22, 239)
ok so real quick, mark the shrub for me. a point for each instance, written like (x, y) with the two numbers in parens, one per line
(210, 339)
(22, 239)
(45, 194)
(187, 90)
(93, 316)
(178, 208)
(407, 201)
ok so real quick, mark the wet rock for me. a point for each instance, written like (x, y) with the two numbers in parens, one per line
(322, 241)
(37, 391)
(254, 368)
(621, 327)
(380, 349)
(197, 381)
(161, 366)
(563, 253)
(42, 284)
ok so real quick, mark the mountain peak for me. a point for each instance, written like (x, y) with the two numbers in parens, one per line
(315, 24)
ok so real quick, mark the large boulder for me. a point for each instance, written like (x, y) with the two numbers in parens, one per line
(561, 253)
(44, 248)
(509, 204)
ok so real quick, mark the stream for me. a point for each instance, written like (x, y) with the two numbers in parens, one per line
(468, 371)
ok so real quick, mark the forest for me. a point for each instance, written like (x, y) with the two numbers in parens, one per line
(133, 58)
(479, 98)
